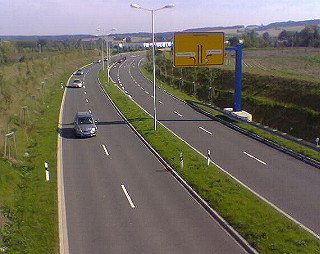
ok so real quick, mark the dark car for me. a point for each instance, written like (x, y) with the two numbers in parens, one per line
(84, 125)
(79, 72)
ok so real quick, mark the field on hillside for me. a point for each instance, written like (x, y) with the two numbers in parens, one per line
(291, 65)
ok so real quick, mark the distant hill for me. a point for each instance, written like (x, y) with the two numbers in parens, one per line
(273, 28)
(208, 29)
(292, 23)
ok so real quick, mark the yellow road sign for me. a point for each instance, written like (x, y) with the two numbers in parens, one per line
(198, 49)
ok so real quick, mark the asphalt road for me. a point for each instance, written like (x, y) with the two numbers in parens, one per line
(289, 184)
(119, 198)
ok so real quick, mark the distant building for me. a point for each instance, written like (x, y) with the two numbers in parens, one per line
(163, 44)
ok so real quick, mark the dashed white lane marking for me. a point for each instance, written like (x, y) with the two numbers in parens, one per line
(255, 158)
(90, 111)
(205, 130)
(177, 113)
(87, 101)
(85, 92)
(105, 150)
(146, 92)
(160, 102)
(127, 196)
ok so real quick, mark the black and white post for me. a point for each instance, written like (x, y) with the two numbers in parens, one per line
(181, 160)
(208, 157)
(46, 166)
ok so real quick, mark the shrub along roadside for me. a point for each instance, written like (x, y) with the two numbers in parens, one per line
(31, 203)
(263, 227)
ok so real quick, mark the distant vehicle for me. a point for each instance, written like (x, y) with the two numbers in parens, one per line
(77, 83)
(122, 59)
(79, 72)
(99, 61)
(84, 125)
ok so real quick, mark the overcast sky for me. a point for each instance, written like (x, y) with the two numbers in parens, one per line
(59, 17)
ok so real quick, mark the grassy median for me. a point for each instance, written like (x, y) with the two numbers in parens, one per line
(263, 227)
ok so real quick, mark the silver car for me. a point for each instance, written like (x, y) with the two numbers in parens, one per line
(77, 83)
(84, 125)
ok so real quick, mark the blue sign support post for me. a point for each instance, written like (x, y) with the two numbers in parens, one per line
(237, 78)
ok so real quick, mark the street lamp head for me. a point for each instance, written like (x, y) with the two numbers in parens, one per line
(169, 6)
(135, 6)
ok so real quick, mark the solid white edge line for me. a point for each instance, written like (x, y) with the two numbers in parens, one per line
(62, 216)
(251, 156)
(105, 150)
(127, 196)
(205, 130)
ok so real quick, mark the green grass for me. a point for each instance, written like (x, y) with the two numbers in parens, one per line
(263, 227)
(26, 198)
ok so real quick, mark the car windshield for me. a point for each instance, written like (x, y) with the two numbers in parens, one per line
(85, 120)
(76, 81)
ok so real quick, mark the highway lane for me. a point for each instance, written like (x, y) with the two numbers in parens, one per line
(290, 184)
(119, 198)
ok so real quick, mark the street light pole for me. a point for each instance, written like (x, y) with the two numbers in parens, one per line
(154, 75)
(98, 29)
(108, 57)
(153, 57)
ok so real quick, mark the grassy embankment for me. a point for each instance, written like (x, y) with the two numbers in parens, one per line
(263, 227)
(27, 201)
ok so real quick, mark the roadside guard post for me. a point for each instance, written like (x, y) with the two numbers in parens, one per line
(46, 166)
(181, 160)
(208, 157)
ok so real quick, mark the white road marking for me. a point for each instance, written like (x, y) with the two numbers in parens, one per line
(87, 101)
(89, 111)
(127, 196)
(177, 113)
(142, 88)
(105, 150)
(85, 92)
(251, 156)
(146, 92)
(205, 130)
(160, 102)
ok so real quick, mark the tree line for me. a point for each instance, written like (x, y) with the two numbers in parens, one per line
(14, 49)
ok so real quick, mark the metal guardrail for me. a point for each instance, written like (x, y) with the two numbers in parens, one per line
(288, 151)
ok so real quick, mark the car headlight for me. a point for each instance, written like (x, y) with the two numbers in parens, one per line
(93, 129)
